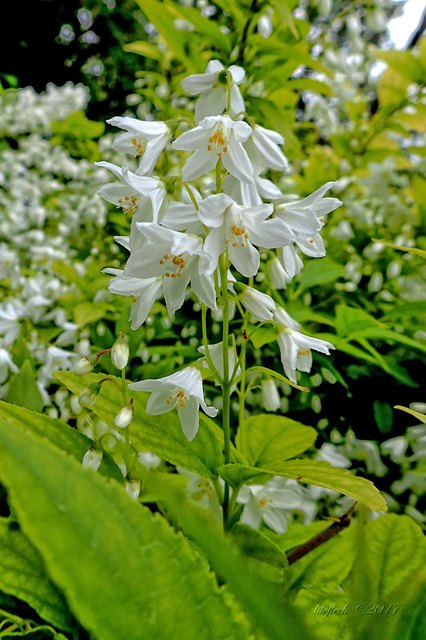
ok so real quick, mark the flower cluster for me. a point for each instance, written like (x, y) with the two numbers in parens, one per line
(206, 237)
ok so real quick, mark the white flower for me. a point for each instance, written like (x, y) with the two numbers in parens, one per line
(83, 366)
(92, 459)
(260, 305)
(120, 352)
(216, 355)
(144, 292)
(182, 391)
(178, 259)
(133, 192)
(306, 217)
(142, 138)
(124, 416)
(290, 262)
(216, 138)
(263, 149)
(270, 396)
(269, 502)
(6, 365)
(238, 228)
(295, 347)
(212, 87)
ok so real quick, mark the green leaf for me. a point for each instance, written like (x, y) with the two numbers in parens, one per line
(404, 63)
(208, 29)
(23, 390)
(266, 439)
(162, 17)
(322, 271)
(420, 416)
(383, 415)
(160, 434)
(261, 552)
(22, 574)
(88, 312)
(143, 48)
(124, 571)
(79, 126)
(314, 472)
(350, 320)
(58, 433)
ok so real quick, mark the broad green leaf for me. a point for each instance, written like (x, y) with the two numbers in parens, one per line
(79, 126)
(309, 84)
(124, 571)
(322, 271)
(266, 439)
(404, 63)
(88, 312)
(350, 320)
(413, 309)
(23, 575)
(160, 434)
(314, 472)
(262, 553)
(204, 27)
(23, 390)
(57, 432)
(297, 534)
(160, 15)
(261, 599)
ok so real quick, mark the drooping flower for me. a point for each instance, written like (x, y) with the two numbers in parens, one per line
(238, 229)
(216, 138)
(177, 259)
(132, 193)
(120, 352)
(260, 305)
(212, 87)
(270, 396)
(183, 391)
(216, 355)
(264, 151)
(143, 291)
(143, 139)
(295, 347)
(269, 502)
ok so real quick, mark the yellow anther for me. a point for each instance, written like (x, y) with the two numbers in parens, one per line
(303, 352)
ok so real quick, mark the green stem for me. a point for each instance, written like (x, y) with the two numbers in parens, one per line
(191, 195)
(125, 403)
(210, 362)
(226, 386)
(219, 177)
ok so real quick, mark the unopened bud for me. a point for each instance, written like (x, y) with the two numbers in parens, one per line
(88, 396)
(92, 459)
(124, 416)
(133, 488)
(83, 366)
(120, 352)
(270, 396)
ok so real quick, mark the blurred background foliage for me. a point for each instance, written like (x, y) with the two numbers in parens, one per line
(323, 73)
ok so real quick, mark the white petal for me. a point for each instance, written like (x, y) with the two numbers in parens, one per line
(146, 128)
(246, 259)
(276, 520)
(150, 157)
(214, 245)
(270, 234)
(288, 351)
(212, 209)
(312, 247)
(237, 162)
(192, 139)
(267, 189)
(237, 102)
(174, 290)
(201, 162)
(240, 129)
(251, 514)
(203, 286)
(199, 82)
(210, 103)
(189, 417)
(157, 402)
(237, 73)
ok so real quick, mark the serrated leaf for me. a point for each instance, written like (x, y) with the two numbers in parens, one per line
(22, 574)
(23, 390)
(266, 439)
(124, 572)
(160, 434)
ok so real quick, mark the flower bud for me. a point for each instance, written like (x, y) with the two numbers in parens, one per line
(92, 459)
(88, 396)
(124, 416)
(83, 366)
(133, 488)
(270, 396)
(120, 352)
(260, 305)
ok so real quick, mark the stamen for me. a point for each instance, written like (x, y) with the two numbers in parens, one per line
(240, 236)
(217, 142)
(138, 145)
(303, 352)
(178, 262)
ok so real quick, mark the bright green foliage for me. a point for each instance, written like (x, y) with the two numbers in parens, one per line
(124, 572)
(267, 439)
(23, 575)
(23, 389)
(160, 434)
